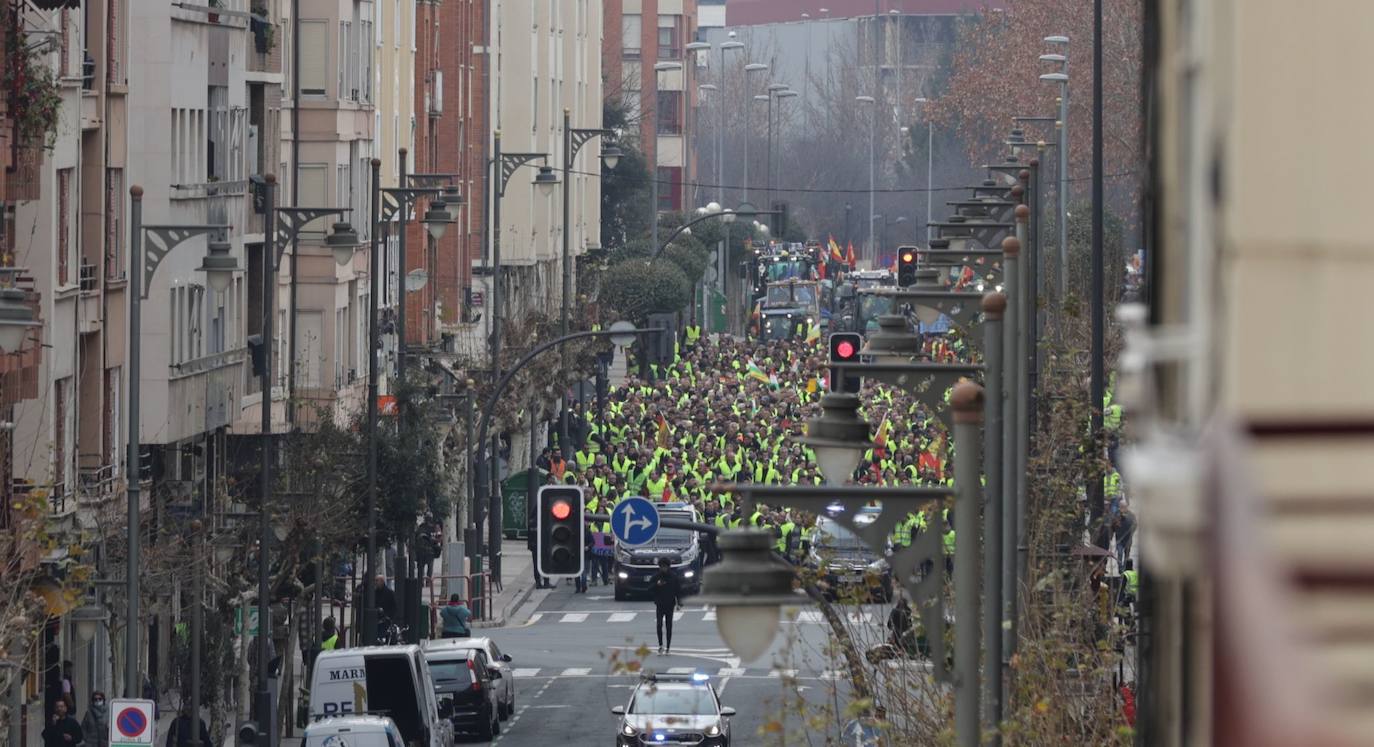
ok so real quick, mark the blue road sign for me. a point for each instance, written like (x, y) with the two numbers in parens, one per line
(634, 521)
(859, 734)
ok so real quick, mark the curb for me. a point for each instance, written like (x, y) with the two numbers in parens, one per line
(499, 621)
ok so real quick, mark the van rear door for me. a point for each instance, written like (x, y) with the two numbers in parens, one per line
(391, 689)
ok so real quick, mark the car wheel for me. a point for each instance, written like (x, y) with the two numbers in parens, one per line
(487, 730)
(501, 712)
(496, 725)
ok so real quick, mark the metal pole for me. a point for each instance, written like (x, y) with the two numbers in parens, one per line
(567, 270)
(720, 136)
(264, 715)
(1011, 250)
(197, 616)
(369, 617)
(1022, 299)
(1099, 377)
(133, 474)
(1036, 283)
(653, 177)
(930, 179)
(967, 402)
(748, 130)
(872, 171)
(1064, 184)
(994, 306)
(402, 220)
(768, 157)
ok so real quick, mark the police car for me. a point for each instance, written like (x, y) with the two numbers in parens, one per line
(673, 709)
(635, 567)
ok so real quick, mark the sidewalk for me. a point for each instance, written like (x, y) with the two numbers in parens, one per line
(517, 583)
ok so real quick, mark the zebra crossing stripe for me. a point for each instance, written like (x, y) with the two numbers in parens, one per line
(678, 615)
(710, 616)
(622, 617)
(576, 672)
(574, 617)
(526, 672)
(730, 672)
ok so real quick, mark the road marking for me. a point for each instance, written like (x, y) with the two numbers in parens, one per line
(622, 617)
(730, 672)
(536, 617)
(709, 616)
(776, 673)
(574, 617)
(811, 617)
(859, 617)
(678, 670)
(563, 705)
(576, 672)
(526, 672)
(831, 674)
(676, 616)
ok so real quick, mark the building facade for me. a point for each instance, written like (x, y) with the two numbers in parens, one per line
(640, 34)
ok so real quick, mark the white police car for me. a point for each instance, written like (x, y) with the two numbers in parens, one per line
(673, 709)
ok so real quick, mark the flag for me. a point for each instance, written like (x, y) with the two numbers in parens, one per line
(880, 440)
(813, 334)
(663, 439)
(811, 385)
(852, 260)
(820, 271)
(835, 253)
(757, 374)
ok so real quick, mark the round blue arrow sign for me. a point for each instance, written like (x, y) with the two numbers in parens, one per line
(634, 521)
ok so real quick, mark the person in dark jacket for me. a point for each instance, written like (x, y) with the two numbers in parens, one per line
(667, 598)
(181, 733)
(62, 730)
(386, 600)
(96, 725)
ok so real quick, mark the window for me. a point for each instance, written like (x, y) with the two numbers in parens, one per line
(314, 190)
(114, 214)
(631, 31)
(340, 347)
(346, 88)
(64, 225)
(314, 54)
(669, 188)
(62, 432)
(668, 38)
(669, 112)
(365, 52)
(112, 421)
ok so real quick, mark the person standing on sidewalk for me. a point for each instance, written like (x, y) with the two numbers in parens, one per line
(96, 726)
(667, 598)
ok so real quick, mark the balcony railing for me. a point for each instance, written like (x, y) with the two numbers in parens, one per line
(23, 179)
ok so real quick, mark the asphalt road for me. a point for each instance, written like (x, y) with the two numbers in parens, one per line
(578, 655)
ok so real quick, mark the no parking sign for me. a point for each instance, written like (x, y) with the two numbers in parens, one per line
(131, 722)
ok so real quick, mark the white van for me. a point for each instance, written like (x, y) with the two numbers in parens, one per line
(391, 681)
(353, 731)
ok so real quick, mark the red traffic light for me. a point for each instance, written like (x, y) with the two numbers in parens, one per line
(560, 509)
(845, 349)
(908, 257)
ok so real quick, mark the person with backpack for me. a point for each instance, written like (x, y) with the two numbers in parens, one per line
(456, 618)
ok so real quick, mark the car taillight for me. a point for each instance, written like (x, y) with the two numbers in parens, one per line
(476, 683)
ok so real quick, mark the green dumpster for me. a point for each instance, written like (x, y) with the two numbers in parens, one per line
(515, 502)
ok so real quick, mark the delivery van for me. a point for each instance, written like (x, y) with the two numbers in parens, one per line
(391, 681)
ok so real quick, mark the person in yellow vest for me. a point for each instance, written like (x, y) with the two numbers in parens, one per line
(756, 519)
(329, 634)
(585, 458)
(784, 544)
(693, 335)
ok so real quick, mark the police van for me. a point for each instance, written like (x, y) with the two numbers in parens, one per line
(635, 566)
(391, 681)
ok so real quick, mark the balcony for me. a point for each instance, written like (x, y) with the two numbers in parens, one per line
(90, 110)
(90, 312)
(23, 178)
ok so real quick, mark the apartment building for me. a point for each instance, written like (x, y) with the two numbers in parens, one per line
(449, 133)
(1251, 473)
(638, 35)
(545, 58)
(328, 129)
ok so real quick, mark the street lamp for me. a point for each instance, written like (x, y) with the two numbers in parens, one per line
(753, 67)
(839, 437)
(720, 132)
(872, 162)
(163, 240)
(573, 140)
(1062, 78)
(748, 588)
(503, 167)
(343, 241)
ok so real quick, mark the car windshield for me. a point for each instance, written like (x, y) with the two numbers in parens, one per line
(450, 671)
(672, 537)
(805, 295)
(777, 328)
(872, 306)
(673, 701)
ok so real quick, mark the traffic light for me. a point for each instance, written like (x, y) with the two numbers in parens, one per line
(248, 733)
(906, 266)
(844, 348)
(559, 531)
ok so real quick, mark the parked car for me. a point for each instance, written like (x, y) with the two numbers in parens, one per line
(468, 688)
(496, 660)
(394, 681)
(353, 731)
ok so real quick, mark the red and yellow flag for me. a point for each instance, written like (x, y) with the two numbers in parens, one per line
(852, 260)
(663, 439)
(880, 439)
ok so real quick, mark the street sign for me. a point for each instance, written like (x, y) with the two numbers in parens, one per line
(132, 722)
(858, 734)
(634, 521)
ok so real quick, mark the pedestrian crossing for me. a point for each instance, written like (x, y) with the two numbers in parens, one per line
(702, 614)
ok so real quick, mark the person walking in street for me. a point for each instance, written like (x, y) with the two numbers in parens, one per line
(456, 617)
(532, 542)
(96, 725)
(667, 599)
(62, 730)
